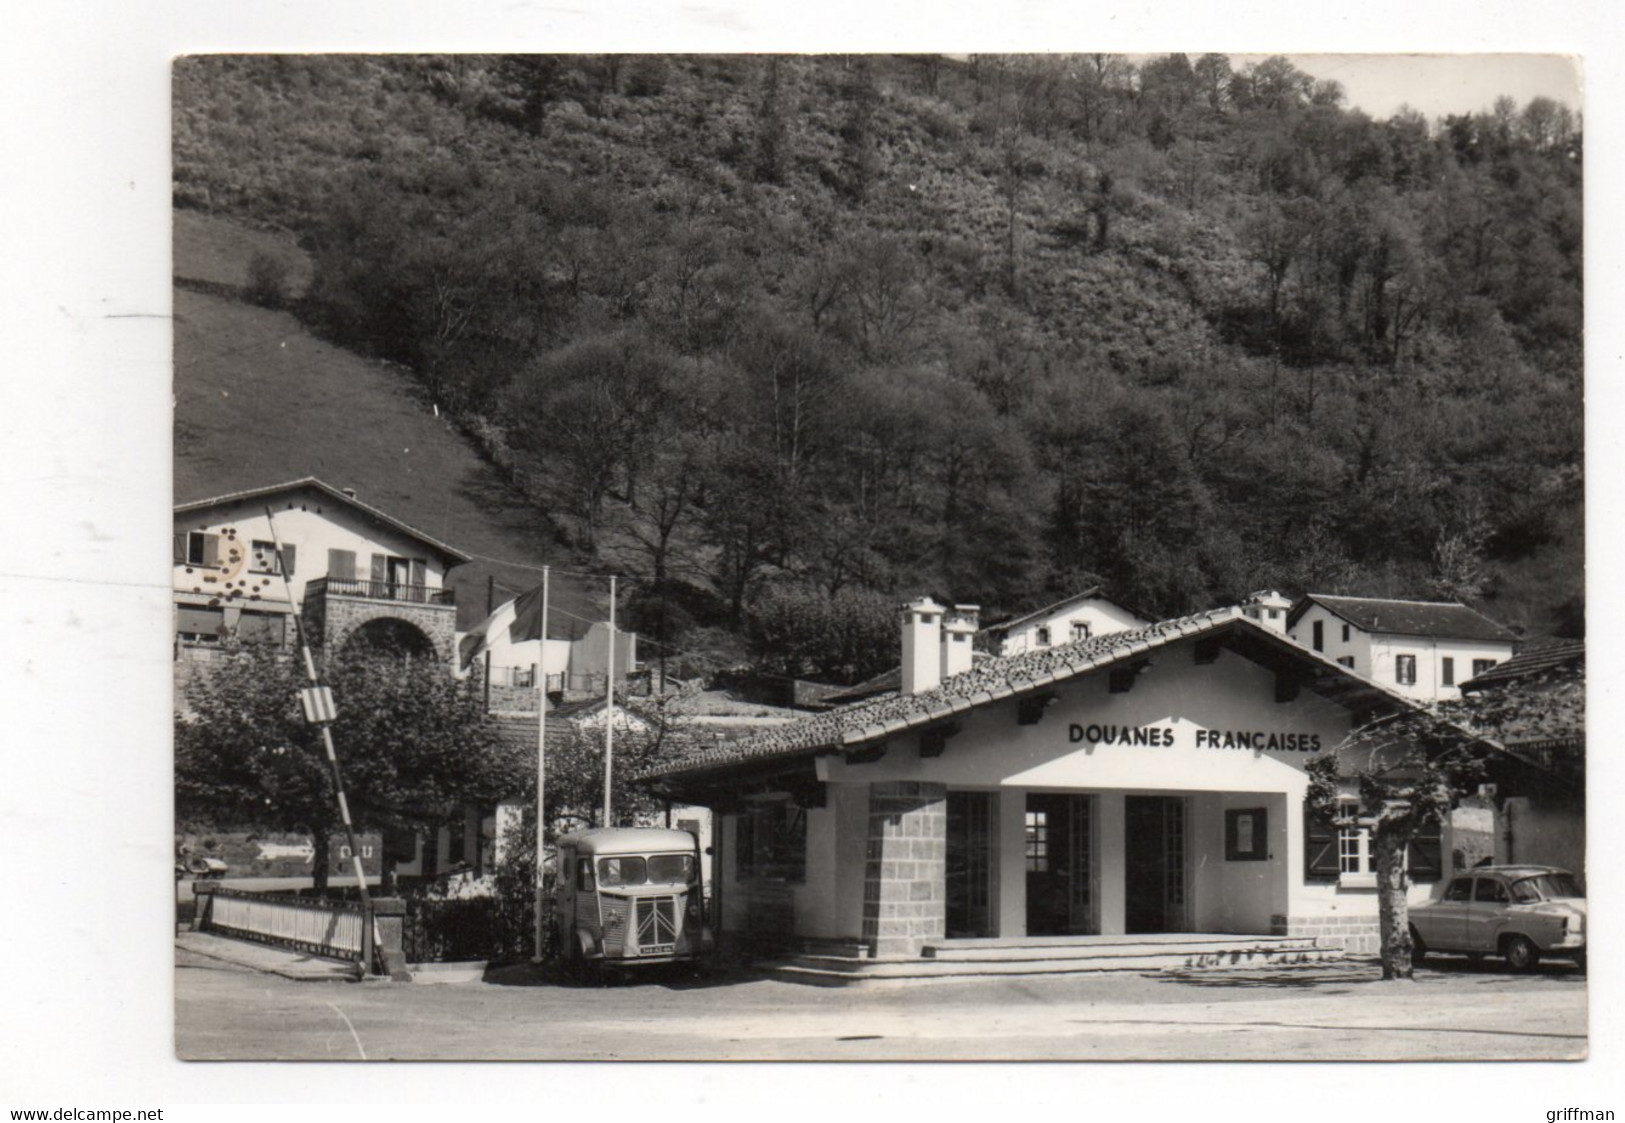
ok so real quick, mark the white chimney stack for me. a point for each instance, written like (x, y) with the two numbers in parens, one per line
(922, 641)
(958, 638)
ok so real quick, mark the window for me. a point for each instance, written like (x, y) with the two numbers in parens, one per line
(1043, 636)
(621, 871)
(1320, 635)
(1346, 661)
(1461, 889)
(772, 842)
(1482, 665)
(1405, 670)
(1354, 854)
(1275, 613)
(1037, 842)
(263, 558)
(203, 549)
(584, 881)
(341, 565)
(1490, 891)
(1447, 671)
(1345, 633)
(1080, 630)
(200, 625)
(261, 627)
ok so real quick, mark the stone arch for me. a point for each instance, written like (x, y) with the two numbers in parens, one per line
(390, 635)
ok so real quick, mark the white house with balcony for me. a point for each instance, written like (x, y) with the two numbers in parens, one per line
(1423, 650)
(360, 576)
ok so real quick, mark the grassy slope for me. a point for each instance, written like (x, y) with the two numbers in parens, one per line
(259, 400)
(255, 149)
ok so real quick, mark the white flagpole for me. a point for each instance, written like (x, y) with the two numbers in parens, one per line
(609, 709)
(541, 773)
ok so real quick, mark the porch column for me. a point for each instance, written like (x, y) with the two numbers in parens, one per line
(1113, 876)
(904, 883)
(1012, 858)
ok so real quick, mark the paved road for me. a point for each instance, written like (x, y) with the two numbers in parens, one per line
(229, 1012)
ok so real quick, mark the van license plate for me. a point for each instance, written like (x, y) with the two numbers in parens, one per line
(658, 949)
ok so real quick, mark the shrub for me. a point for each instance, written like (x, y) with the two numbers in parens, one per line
(267, 280)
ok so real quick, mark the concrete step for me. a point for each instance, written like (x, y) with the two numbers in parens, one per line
(1022, 950)
(839, 949)
(1132, 939)
(834, 970)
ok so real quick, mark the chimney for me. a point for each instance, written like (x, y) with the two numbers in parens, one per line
(922, 632)
(958, 636)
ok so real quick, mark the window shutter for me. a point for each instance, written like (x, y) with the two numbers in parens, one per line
(420, 571)
(200, 621)
(260, 627)
(1424, 854)
(180, 548)
(211, 550)
(287, 560)
(380, 568)
(341, 564)
(1319, 846)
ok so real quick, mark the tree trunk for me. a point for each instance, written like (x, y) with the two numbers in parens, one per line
(1392, 914)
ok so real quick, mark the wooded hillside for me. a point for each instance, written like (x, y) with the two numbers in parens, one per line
(786, 338)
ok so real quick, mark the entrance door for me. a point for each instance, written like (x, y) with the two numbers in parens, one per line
(1154, 860)
(970, 864)
(1059, 859)
(400, 578)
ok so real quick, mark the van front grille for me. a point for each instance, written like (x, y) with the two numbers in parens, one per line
(657, 920)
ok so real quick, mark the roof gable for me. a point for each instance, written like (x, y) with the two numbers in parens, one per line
(448, 553)
(1092, 594)
(1435, 619)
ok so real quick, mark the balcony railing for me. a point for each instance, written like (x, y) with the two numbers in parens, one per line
(383, 590)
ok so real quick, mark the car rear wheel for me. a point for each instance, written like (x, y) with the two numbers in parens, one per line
(1521, 953)
(1419, 946)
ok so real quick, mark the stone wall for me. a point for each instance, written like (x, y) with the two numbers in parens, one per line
(904, 883)
(1357, 935)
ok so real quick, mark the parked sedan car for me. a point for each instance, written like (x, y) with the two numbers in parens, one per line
(1519, 912)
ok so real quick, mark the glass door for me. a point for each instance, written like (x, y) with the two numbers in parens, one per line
(1060, 865)
(970, 864)
(1154, 864)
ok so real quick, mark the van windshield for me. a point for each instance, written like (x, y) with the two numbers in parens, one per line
(660, 869)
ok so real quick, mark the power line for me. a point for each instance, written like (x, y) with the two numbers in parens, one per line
(554, 569)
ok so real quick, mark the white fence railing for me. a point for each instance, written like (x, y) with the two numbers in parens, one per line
(321, 927)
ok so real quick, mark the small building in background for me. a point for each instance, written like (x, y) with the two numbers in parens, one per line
(1269, 607)
(509, 653)
(1423, 649)
(1082, 616)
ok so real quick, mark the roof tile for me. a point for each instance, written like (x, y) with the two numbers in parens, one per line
(989, 681)
(1441, 619)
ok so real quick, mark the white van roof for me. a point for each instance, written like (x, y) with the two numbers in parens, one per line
(628, 840)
